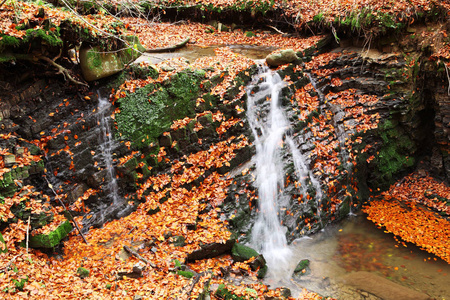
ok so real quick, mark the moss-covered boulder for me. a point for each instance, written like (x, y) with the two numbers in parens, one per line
(242, 253)
(52, 238)
(96, 63)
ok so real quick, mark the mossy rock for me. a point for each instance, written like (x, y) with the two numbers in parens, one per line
(302, 267)
(148, 112)
(51, 239)
(83, 272)
(223, 293)
(3, 248)
(96, 63)
(242, 253)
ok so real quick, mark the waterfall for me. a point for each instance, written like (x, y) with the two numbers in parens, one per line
(268, 235)
(271, 130)
(106, 143)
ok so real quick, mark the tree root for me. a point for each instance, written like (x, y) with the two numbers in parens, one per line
(170, 48)
(62, 70)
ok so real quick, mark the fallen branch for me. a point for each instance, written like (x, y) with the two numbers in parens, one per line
(60, 201)
(170, 48)
(276, 29)
(28, 236)
(9, 263)
(134, 252)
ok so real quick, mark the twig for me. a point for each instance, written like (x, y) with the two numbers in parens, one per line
(276, 29)
(134, 252)
(28, 235)
(60, 201)
(448, 78)
(9, 263)
(3, 2)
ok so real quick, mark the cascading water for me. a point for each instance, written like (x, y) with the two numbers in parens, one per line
(268, 236)
(270, 127)
(106, 145)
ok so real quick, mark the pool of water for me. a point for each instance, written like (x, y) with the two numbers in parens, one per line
(191, 53)
(357, 245)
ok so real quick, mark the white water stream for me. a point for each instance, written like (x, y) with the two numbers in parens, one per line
(106, 145)
(269, 126)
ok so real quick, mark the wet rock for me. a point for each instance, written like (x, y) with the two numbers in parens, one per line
(281, 58)
(9, 160)
(242, 253)
(302, 267)
(211, 250)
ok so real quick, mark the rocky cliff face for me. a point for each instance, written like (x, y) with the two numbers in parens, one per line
(360, 119)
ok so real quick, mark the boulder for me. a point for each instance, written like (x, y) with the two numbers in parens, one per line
(242, 253)
(52, 238)
(97, 63)
(281, 58)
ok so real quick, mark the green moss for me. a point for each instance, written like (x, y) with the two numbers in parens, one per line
(95, 58)
(148, 112)
(241, 252)
(20, 284)
(47, 36)
(223, 293)
(186, 274)
(3, 248)
(83, 272)
(8, 41)
(51, 239)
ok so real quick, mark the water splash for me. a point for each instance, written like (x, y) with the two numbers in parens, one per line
(268, 235)
(106, 143)
(304, 172)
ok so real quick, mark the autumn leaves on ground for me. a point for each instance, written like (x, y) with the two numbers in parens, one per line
(167, 226)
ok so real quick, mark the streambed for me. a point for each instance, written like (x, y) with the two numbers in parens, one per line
(356, 245)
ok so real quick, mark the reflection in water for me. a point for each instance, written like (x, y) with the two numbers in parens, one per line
(357, 244)
(191, 53)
